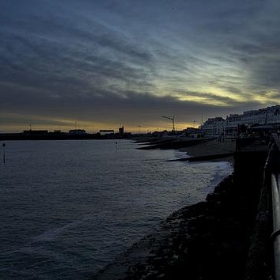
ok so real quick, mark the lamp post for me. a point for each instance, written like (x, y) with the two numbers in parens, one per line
(173, 122)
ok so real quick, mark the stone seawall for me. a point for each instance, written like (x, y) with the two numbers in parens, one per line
(209, 240)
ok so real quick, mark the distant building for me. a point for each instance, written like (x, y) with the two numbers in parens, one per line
(35, 132)
(269, 116)
(121, 130)
(77, 132)
(213, 127)
(193, 132)
(231, 124)
(106, 131)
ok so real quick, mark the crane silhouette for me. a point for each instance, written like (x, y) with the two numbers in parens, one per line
(173, 121)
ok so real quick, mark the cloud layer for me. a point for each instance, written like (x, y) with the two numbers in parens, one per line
(106, 63)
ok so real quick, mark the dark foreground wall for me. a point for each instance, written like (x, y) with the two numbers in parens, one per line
(208, 240)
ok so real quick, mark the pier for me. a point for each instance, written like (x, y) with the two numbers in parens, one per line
(234, 234)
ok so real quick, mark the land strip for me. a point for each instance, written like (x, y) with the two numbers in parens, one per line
(211, 150)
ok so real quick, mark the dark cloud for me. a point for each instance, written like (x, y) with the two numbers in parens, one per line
(131, 62)
(129, 108)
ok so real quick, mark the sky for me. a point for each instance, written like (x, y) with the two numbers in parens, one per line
(103, 64)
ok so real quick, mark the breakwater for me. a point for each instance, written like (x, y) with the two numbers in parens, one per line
(224, 237)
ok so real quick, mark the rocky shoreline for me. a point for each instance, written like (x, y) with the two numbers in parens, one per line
(207, 240)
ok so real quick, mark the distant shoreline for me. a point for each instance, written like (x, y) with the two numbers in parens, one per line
(59, 136)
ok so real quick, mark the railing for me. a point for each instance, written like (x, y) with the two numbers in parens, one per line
(276, 223)
(272, 170)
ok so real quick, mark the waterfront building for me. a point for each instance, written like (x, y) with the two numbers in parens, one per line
(231, 124)
(215, 127)
(193, 132)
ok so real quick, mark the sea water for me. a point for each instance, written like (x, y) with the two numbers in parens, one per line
(68, 208)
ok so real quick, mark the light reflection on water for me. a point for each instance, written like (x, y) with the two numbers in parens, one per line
(70, 207)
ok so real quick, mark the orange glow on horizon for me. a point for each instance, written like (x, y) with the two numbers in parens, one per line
(95, 128)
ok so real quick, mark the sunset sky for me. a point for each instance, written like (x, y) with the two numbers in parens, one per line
(99, 64)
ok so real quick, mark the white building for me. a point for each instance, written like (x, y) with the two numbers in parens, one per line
(231, 124)
(213, 127)
(218, 126)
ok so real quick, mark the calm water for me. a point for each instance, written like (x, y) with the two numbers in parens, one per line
(70, 207)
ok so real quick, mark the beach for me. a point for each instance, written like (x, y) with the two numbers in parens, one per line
(211, 148)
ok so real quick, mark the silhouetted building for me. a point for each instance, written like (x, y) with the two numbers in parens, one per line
(121, 130)
(35, 132)
(106, 131)
(77, 132)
